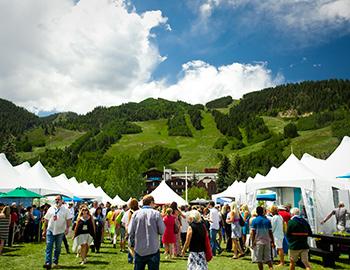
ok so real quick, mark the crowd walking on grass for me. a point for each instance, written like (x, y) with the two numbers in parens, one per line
(201, 233)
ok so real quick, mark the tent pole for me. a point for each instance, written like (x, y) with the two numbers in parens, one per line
(186, 188)
(315, 204)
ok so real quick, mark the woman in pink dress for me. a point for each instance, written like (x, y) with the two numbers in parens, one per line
(169, 237)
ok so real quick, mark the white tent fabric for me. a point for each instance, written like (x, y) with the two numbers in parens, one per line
(339, 161)
(237, 190)
(62, 180)
(104, 196)
(9, 177)
(316, 191)
(80, 191)
(163, 194)
(23, 167)
(37, 179)
(118, 201)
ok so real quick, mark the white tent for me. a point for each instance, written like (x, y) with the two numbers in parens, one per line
(40, 181)
(104, 196)
(163, 194)
(118, 201)
(237, 190)
(9, 177)
(62, 180)
(339, 161)
(79, 190)
(23, 167)
(316, 191)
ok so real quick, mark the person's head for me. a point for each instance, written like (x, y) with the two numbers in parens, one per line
(84, 212)
(244, 207)
(260, 211)
(234, 207)
(183, 208)
(70, 204)
(148, 200)
(169, 211)
(295, 211)
(194, 216)
(205, 211)
(108, 205)
(58, 200)
(134, 204)
(95, 204)
(274, 210)
(98, 211)
(29, 209)
(211, 204)
(288, 207)
(173, 206)
(124, 207)
(2, 206)
(341, 204)
(6, 211)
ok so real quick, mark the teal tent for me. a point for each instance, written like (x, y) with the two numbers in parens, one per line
(20, 192)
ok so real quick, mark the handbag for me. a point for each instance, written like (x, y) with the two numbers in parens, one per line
(176, 228)
(241, 221)
(207, 247)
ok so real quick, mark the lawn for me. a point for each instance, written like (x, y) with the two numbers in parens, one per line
(31, 256)
(196, 152)
(61, 138)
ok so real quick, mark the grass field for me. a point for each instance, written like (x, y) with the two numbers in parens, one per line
(198, 152)
(31, 256)
(61, 139)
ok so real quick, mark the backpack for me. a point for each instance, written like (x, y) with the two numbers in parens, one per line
(241, 221)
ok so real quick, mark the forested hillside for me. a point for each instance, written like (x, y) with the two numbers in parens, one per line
(121, 142)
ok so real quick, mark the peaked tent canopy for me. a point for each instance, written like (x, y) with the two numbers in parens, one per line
(20, 192)
(118, 201)
(163, 194)
(40, 181)
(9, 177)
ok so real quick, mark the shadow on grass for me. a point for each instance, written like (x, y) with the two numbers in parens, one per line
(98, 262)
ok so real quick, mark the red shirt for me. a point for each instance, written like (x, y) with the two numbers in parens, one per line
(285, 215)
(14, 218)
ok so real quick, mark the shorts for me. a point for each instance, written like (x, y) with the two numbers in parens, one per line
(279, 243)
(302, 253)
(122, 233)
(263, 253)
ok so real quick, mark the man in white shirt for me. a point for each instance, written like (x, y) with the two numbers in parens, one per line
(56, 225)
(214, 220)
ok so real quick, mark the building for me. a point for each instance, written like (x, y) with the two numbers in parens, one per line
(209, 184)
(179, 184)
(153, 177)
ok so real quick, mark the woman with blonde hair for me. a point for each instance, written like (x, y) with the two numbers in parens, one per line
(84, 233)
(5, 219)
(195, 241)
(236, 230)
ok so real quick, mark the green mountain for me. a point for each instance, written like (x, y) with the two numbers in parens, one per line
(256, 132)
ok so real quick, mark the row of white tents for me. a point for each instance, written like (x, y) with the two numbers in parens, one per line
(317, 181)
(37, 179)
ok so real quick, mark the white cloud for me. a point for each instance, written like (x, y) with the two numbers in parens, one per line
(202, 82)
(55, 53)
(58, 56)
(306, 18)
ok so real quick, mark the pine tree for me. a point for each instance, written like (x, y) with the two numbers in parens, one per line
(9, 149)
(223, 174)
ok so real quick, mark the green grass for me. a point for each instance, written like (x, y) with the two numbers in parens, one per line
(31, 256)
(196, 152)
(318, 143)
(61, 138)
(275, 124)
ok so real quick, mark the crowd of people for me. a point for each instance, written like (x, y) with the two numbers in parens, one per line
(201, 232)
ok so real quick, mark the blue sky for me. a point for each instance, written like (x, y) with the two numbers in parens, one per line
(227, 40)
(70, 55)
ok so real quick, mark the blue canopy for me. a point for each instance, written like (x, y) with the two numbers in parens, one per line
(223, 200)
(344, 176)
(266, 197)
(74, 199)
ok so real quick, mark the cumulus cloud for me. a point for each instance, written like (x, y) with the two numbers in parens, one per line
(305, 18)
(202, 82)
(62, 55)
(55, 53)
